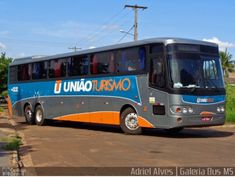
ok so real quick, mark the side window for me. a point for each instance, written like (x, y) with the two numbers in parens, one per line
(102, 63)
(57, 68)
(39, 70)
(24, 72)
(78, 66)
(156, 75)
(13, 74)
(132, 59)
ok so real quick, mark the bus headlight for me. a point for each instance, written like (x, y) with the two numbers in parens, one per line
(184, 110)
(190, 110)
(222, 109)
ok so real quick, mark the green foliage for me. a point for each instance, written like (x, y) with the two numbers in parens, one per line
(226, 60)
(1, 109)
(4, 63)
(12, 143)
(4, 93)
(230, 105)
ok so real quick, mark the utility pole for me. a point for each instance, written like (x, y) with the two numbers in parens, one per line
(135, 8)
(74, 48)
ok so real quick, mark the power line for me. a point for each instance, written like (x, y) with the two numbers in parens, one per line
(125, 34)
(74, 48)
(101, 28)
(98, 34)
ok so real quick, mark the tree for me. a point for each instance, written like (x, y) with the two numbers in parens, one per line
(4, 63)
(226, 60)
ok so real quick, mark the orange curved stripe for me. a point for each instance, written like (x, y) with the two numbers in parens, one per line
(144, 123)
(102, 117)
(9, 105)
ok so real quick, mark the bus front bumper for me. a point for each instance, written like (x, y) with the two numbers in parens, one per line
(197, 121)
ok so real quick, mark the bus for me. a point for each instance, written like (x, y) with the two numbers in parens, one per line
(167, 83)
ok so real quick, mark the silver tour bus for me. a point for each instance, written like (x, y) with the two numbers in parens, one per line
(167, 83)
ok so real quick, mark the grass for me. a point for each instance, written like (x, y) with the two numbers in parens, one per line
(1, 109)
(230, 105)
(12, 142)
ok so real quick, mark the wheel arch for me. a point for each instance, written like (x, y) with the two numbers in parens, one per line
(28, 104)
(127, 106)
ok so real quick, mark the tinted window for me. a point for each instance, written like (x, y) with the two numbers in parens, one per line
(156, 75)
(157, 48)
(78, 66)
(132, 59)
(13, 74)
(57, 68)
(24, 72)
(39, 70)
(102, 63)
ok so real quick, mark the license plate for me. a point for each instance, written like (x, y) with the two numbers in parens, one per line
(206, 119)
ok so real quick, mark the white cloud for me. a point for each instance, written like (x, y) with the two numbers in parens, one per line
(222, 45)
(2, 46)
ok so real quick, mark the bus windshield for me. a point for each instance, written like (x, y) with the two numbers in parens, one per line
(194, 70)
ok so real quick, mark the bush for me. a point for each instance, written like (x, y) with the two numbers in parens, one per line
(230, 105)
(4, 93)
(12, 143)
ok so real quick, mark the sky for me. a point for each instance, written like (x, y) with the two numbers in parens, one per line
(48, 27)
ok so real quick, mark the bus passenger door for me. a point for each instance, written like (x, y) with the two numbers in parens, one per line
(158, 98)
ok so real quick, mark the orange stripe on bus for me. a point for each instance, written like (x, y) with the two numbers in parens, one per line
(144, 123)
(102, 117)
(9, 105)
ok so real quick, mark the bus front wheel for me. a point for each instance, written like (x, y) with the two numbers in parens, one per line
(129, 122)
(29, 116)
(39, 116)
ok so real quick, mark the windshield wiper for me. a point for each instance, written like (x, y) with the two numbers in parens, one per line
(213, 83)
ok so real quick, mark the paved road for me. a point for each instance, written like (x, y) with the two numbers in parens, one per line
(65, 144)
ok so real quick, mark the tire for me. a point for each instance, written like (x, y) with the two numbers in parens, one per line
(129, 122)
(29, 115)
(174, 130)
(39, 116)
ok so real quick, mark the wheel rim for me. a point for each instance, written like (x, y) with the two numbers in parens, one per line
(28, 113)
(39, 115)
(131, 121)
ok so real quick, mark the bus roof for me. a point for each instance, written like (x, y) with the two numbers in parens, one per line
(166, 41)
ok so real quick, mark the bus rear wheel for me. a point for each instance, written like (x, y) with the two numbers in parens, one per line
(39, 116)
(28, 114)
(129, 122)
